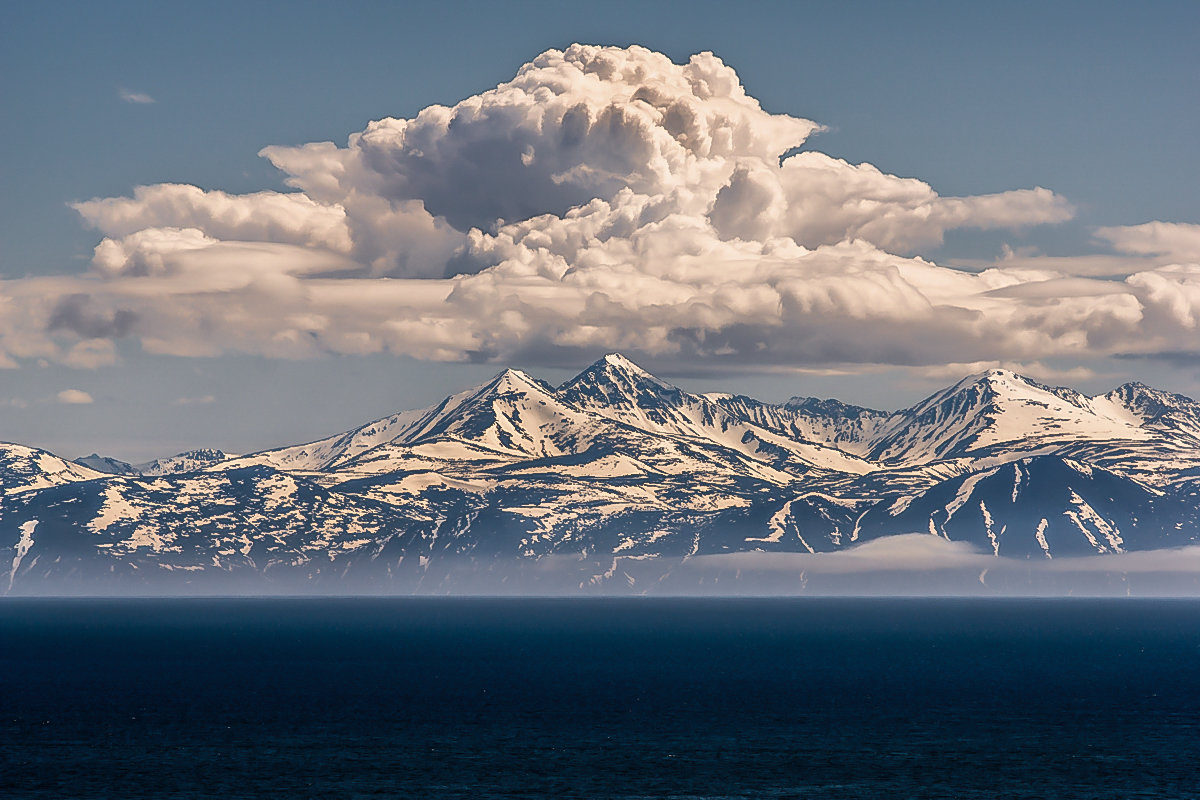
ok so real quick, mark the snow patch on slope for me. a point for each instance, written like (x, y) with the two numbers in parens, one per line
(1040, 535)
(21, 549)
(965, 490)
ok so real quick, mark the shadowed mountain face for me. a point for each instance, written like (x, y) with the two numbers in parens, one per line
(614, 465)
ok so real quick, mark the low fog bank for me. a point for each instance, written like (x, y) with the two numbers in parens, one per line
(924, 565)
(908, 565)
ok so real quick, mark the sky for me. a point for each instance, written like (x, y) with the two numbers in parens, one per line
(243, 227)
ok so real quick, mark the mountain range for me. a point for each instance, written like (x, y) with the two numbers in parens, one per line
(517, 479)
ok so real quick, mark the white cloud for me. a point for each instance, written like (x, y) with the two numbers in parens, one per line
(603, 199)
(920, 552)
(920, 564)
(917, 552)
(570, 127)
(1030, 261)
(260, 217)
(203, 400)
(1174, 240)
(140, 98)
(91, 353)
(74, 397)
(815, 200)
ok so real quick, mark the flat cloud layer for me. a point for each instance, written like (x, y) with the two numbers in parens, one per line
(602, 199)
(920, 564)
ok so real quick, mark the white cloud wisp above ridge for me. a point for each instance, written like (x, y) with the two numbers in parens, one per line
(139, 98)
(603, 199)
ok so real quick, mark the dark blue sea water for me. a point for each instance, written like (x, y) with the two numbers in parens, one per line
(455, 698)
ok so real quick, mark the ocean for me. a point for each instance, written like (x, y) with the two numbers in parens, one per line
(803, 698)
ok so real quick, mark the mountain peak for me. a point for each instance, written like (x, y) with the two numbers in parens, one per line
(992, 377)
(1158, 409)
(998, 385)
(618, 360)
(189, 461)
(831, 408)
(1001, 409)
(615, 362)
(109, 466)
(513, 380)
(1139, 389)
(1000, 375)
(612, 376)
(509, 382)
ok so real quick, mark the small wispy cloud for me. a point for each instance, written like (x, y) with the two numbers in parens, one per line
(195, 401)
(74, 397)
(134, 97)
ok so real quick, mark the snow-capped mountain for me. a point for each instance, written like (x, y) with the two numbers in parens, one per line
(189, 461)
(1155, 410)
(107, 465)
(618, 389)
(24, 469)
(1000, 411)
(833, 423)
(1046, 505)
(615, 464)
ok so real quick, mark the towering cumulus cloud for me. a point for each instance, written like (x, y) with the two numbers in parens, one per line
(602, 199)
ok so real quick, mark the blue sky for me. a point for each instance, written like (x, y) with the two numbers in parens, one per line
(1097, 102)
